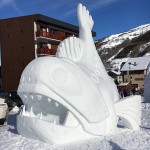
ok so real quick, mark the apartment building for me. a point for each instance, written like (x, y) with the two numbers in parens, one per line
(23, 39)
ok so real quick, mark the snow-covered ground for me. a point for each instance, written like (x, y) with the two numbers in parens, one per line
(121, 139)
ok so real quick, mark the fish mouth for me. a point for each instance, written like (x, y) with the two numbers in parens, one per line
(46, 109)
(45, 119)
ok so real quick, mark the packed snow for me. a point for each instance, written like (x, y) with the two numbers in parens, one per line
(121, 139)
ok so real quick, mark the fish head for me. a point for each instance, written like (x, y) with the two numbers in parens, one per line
(59, 99)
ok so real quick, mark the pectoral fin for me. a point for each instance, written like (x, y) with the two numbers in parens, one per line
(129, 110)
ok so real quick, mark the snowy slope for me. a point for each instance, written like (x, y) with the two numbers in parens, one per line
(117, 39)
(133, 43)
(121, 139)
(116, 63)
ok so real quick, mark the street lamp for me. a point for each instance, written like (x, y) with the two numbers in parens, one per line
(134, 64)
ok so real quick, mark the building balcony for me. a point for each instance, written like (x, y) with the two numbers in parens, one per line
(46, 51)
(49, 35)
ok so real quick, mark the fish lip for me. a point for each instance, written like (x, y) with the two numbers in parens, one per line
(48, 132)
(37, 129)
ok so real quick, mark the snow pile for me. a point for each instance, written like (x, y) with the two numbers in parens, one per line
(121, 139)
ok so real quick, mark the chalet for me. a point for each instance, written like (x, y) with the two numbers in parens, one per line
(135, 70)
(117, 75)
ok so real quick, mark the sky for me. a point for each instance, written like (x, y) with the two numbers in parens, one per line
(110, 16)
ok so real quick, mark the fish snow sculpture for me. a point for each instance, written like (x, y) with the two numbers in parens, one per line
(71, 97)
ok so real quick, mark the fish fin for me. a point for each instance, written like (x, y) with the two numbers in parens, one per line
(129, 111)
(84, 13)
(71, 48)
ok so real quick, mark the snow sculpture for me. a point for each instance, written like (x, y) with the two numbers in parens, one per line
(147, 86)
(71, 97)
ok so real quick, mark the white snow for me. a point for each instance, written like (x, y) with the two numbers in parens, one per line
(144, 46)
(124, 84)
(147, 85)
(116, 63)
(117, 39)
(141, 63)
(112, 58)
(77, 81)
(121, 139)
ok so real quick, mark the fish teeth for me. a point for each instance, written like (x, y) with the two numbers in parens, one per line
(56, 104)
(41, 116)
(49, 100)
(31, 112)
(55, 120)
(23, 111)
(39, 97)
(32, 97)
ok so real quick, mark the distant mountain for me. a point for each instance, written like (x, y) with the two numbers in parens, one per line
(134, 43)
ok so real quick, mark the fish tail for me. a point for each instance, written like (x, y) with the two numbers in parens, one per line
(129, 111)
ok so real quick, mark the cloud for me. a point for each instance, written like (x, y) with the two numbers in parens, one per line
(4, 3)
(92, 5)
(17, 9)
(63, 9)
(11, 3)
(99, 4)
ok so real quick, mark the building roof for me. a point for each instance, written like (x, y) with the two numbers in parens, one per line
(52, 22)
(59, 23)
(138, 63)
(123, 84)
(117, 73)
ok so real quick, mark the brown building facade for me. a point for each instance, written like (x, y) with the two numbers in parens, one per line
(135, 77)
(23, 39)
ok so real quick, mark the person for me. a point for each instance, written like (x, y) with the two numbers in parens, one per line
(121, 94)
(133, 91)
(125, 93)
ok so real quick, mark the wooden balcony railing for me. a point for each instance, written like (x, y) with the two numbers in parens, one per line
(46, 51)
(45, 34)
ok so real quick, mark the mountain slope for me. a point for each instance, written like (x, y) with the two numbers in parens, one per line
(134, 43)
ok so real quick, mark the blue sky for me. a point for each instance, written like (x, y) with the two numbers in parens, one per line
(110, 16)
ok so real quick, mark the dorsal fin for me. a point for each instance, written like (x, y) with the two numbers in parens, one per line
(71, 48)
(84, 13)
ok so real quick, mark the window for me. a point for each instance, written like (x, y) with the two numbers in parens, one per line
(53, 31)
(139, 79)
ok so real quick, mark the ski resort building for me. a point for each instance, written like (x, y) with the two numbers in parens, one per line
(23, 39)
(135, 70)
